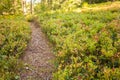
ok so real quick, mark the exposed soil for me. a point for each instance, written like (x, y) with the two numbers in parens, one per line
(38, 57)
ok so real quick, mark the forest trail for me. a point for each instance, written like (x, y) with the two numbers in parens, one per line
(38, 57)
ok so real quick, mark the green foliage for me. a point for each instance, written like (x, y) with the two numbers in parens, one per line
(9, 6)
(30, 17)
(66, 5)
(98, 1)
(87, 45)
(14, 35)
(69, 4)
(40, 8)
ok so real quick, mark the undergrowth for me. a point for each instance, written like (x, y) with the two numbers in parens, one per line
(87, 44)
(14, 35)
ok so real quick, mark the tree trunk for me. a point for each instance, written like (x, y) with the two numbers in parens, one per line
(31, 7)
(24, 6)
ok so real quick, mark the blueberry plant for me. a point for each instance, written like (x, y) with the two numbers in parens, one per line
(87, 44)
(14, 35)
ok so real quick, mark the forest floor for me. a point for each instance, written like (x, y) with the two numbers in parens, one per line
(38, 57)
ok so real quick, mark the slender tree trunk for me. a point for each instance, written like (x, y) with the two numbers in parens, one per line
(31, 7)
(24, 6)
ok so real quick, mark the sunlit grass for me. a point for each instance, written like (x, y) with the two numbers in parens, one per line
(98, 7)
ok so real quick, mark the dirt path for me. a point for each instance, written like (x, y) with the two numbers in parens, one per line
(38, 57)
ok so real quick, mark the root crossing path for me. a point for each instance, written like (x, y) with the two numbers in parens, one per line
(38, 57)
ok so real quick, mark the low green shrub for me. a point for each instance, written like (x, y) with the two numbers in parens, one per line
(87, 45)
(14, 35)
(30, 17)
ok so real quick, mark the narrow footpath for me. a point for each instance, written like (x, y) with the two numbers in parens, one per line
(38, 57)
